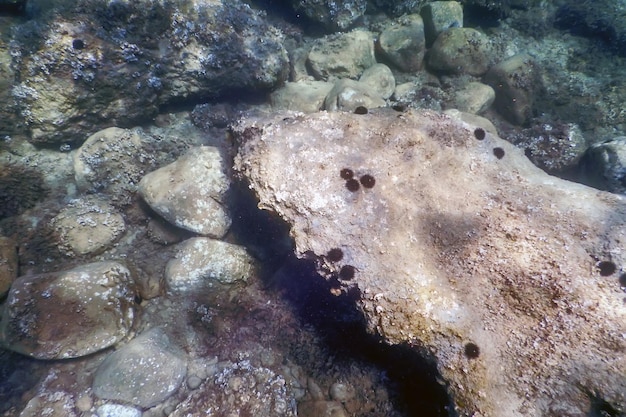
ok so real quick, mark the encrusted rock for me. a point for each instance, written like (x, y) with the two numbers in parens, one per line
(8, 264)
(202, 262)
(515, 81)
(113, 160)
(240, 389)
(306, 96)
(70, 313)
(348, 94)
(461, 51)
(87, 226)
(190, 192)
(440, 16)
(321, 408)
(344, 55)
(339, 14)
(458, 245)
(403, 44)
(143, 372)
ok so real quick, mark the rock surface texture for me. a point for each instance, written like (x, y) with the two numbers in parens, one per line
(459, 247)
(70, 313)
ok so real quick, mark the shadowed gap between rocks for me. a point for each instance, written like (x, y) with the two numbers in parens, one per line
(412, 379)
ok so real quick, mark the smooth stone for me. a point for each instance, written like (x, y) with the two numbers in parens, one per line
(144, 372)
(474, 98)
(69, 314)
(306, 96)
(200, 263)
(117, 410)
(321, 408)
(380, 80)
(347, 95)
(190, 192)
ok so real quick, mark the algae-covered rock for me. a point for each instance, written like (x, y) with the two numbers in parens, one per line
(460, 247)
(97, 64)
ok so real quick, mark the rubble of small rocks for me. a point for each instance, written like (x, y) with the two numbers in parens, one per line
(458, 246)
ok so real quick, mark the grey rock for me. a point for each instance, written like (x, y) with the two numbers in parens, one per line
(516, 82)
(144, 372)
(404, 44)
(472, 119)
(241, 389)
(87, 226)
(201, 263)
(190, 192)
(113, 160)
(117, 410)
(440, 16)
(604, 165)
(70, 313)
(461, 51)
(341, 392)
(379, 80)
(8, 264)
(344, 55)
(347, 95)
(474, 98)
(304, 96)
(478, 257)
(91, 64)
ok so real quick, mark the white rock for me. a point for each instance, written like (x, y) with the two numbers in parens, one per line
(190, 192)
(202, 262)
(117, 410)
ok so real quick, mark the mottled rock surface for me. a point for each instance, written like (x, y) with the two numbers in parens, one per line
(344, 55)
(70, 313)
(201, 263)
(348, 94)
(461, 51)
(440, 16)
(460, 247)
(403, 43)
(190, 192)
(87, 225)
(143, 372)
(604, 165)
(306, 96)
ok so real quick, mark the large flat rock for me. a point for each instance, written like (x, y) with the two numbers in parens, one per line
(460, 248)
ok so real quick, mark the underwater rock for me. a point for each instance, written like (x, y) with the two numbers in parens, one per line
(87, 226)
(380, 80)
(8, 264)
(87, 65)
(190, 192)
(460, 248)
(344, 55)
(70, 313)
(113, 160)
(604, 165)
(348, 95)
(144, 372)
(305, 96)
(440, 16)
(240, 389)
(516, 82)
(334, 15)
(461, 51)
(474, 98)
(201, 263)
(403, 43)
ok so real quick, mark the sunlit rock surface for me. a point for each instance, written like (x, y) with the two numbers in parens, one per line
(461, 248)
